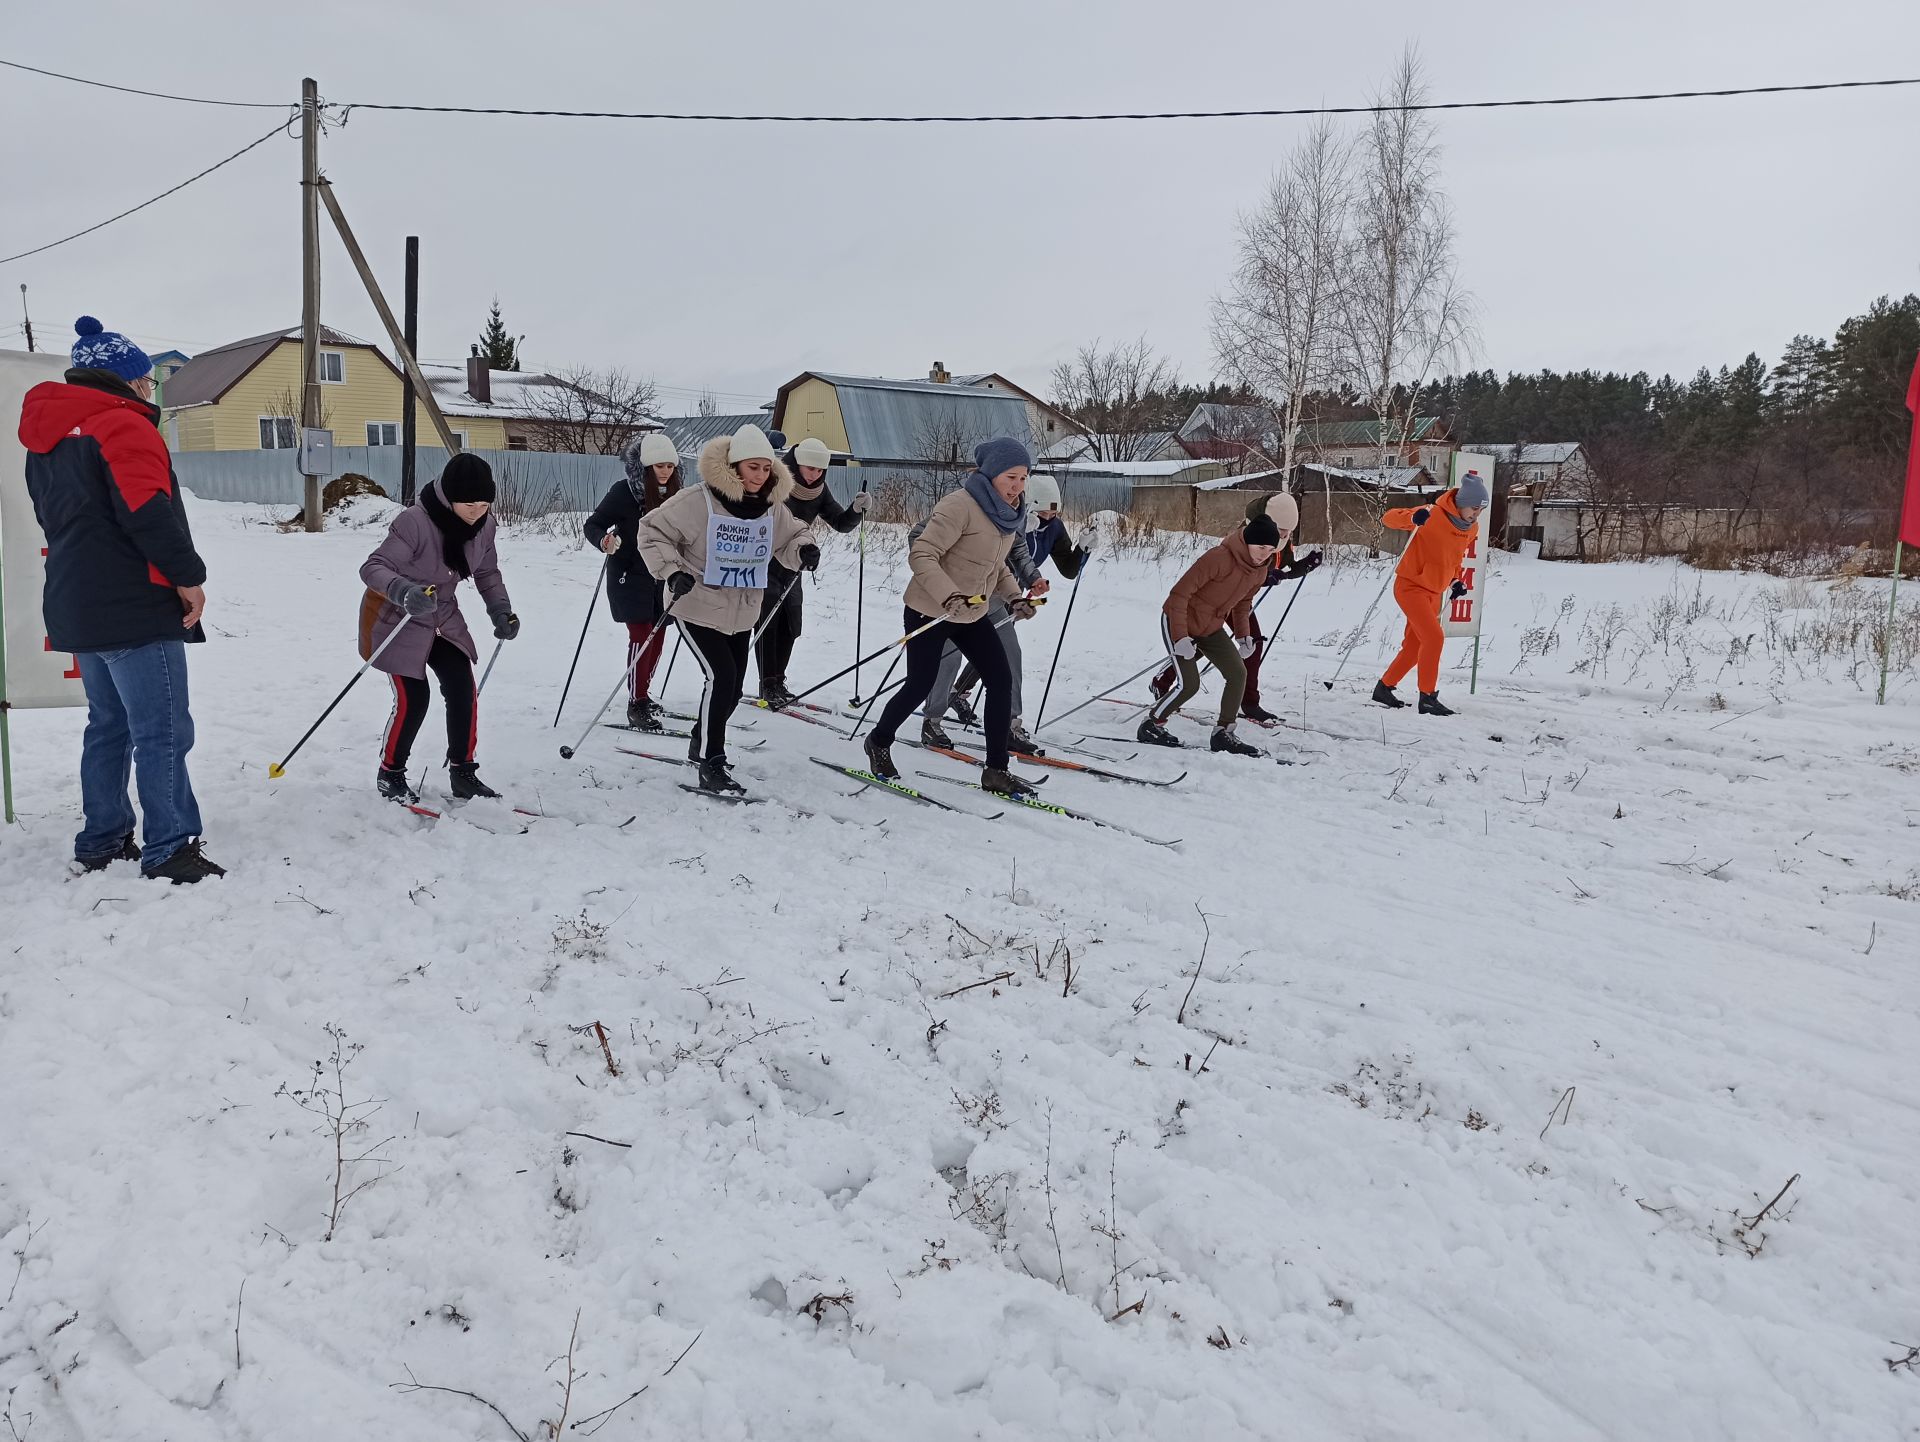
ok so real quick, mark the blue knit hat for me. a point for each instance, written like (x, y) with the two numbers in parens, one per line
(100, 349)
(992, 458)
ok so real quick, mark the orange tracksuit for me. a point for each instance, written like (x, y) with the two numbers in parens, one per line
(1427, 568)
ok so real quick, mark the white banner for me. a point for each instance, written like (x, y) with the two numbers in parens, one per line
(1462, 617)
(35, 674)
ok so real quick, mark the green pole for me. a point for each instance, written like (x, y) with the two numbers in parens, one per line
(1893, 600)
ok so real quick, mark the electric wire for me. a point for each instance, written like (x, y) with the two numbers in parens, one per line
(154, 94)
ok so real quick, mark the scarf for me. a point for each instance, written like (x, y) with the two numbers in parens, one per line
(1006, 519)
(454, 532)
(747, 507)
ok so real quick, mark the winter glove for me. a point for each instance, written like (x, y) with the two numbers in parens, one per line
(1420, 516)
(1245, 645)
(680, 582)
(410, 596)
(858, 505)
(1186, 648)
(809, 557)
(1307, 563)
(963, 608)
(1022, 610)
(1275, 575)
(1457, 590)
(1088, 543)
(506, 625)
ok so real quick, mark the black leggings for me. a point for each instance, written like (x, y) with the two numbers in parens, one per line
(780, 621)
(980, 643)
(448, 662)
(723, 660)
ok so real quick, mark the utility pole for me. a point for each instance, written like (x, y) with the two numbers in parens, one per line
(25, 318)
(409, 421)
(310, 406)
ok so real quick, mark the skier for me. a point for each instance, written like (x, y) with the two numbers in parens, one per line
(712, 547)
(781, 612)
(961, 554)
(1284, 511)
(652, 479)
(1429, 566)
(1046, 539)
(1216, 592)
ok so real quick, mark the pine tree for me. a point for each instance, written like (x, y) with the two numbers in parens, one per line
(500, 350)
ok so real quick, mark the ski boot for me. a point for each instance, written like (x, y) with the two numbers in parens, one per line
(1154, 734)
(643, 715)
(715, 777)
(880, 760)
(1383, 695)
(465, 783)
(186, 866)
(1020, 741)
(393, 785)
(1430, 705)
(127, 850)
(1002, 782)
(1223, 739)
(1259, 715)
(776, 694)
(932, 733)
(963, 711)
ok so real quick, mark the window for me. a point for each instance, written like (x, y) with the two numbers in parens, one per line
(516, 443)
(383, 433)
(333, 367)
(277, 433)
(1347, 461)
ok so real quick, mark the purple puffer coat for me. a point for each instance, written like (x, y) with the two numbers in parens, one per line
(413, 551)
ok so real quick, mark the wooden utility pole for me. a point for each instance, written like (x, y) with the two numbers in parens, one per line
(311, 410)
(409, 419)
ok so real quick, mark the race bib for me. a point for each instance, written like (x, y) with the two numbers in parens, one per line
(738, 551)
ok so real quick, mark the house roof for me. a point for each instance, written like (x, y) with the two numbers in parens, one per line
(1384, 478)
(894, 419)
(690, 433)
(1537, 453)
(1325, 434)
(1138, 469)
(516, 394)
(211, 374)
(1259, 480)
(1217, 417)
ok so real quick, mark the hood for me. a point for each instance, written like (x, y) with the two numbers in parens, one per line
(719, 475)
(53, 410)
(1449, 506)
(1235, 545)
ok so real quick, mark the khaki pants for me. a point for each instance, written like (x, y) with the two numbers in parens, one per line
(1218, 648)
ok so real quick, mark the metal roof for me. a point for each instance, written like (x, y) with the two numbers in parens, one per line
(1537, 453)
(901, 420)
(1360, 433)
(690, 433)
(211, 374)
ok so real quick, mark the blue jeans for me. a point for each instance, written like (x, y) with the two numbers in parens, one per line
(137, 721)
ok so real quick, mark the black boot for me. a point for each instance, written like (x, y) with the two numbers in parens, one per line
(184, 867)
(1430, 705)
(963, 711)
(1224, 740)
(643, 715)
(393, 785)
(880, 760)
(1258, 714)
(1154, 734)
(1003, 782)
(775, 693)
(126, 851)
(1383, 694)
(1020, 741)
(715, 777)
(464, 782)
(932, 733)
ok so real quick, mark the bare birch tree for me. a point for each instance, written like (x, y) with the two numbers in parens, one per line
(1117, 394)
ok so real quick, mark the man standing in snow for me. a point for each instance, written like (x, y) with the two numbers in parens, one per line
(1430, 565)
(123, 594)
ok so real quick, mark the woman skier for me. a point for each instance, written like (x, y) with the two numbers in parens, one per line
(781, 614)
(447, 538)
(959, 561)
(711, 547)
(652, 479)
(1429, 566)
(1216, 592)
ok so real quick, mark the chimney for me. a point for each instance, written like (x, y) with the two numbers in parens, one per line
(479, 378)
(940, 375)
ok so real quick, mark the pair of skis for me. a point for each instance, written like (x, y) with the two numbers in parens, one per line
(1057, 763)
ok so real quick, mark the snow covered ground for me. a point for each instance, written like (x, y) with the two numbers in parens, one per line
(1508, 1029)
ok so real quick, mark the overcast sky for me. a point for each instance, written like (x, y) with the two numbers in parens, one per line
(1660, 236)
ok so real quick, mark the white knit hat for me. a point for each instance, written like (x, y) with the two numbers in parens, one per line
(1284, 511)
(749, 443)
(657, 448)
(1043, 492)
(811, 452)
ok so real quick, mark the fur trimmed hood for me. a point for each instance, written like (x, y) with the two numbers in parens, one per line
(719, 475)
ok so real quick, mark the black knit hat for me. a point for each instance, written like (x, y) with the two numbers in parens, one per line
(466, 478)
(1261, 531)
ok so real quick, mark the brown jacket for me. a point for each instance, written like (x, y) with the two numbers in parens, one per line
(673, 537)
(959, 553)
(1217, 590)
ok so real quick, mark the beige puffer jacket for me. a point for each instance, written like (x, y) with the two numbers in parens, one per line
(673, 538)
(959, 552)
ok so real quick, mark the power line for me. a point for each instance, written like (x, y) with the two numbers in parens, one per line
(154, 94)
(1302, 110)
(277, 130)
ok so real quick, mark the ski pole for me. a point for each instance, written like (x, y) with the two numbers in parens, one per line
(1361, 630)
(1072, 596)
(279, 768)
(760, 630)
(1150, 666)
(875, 655)
(860, 596)
(599, 581)
(626, 679)
(1267, 640)
(879, 691)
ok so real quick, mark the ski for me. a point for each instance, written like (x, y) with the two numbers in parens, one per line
(656, 756)
(1060, 764)
(1018, 756)
(1033, 801)
(953, 753)
(732, 797)
(881, 783)
(793, 715)
(645, 731)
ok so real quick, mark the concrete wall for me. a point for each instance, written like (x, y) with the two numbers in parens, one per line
(1587, 533)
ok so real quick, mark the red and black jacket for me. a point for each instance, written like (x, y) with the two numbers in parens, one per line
(117, 538)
